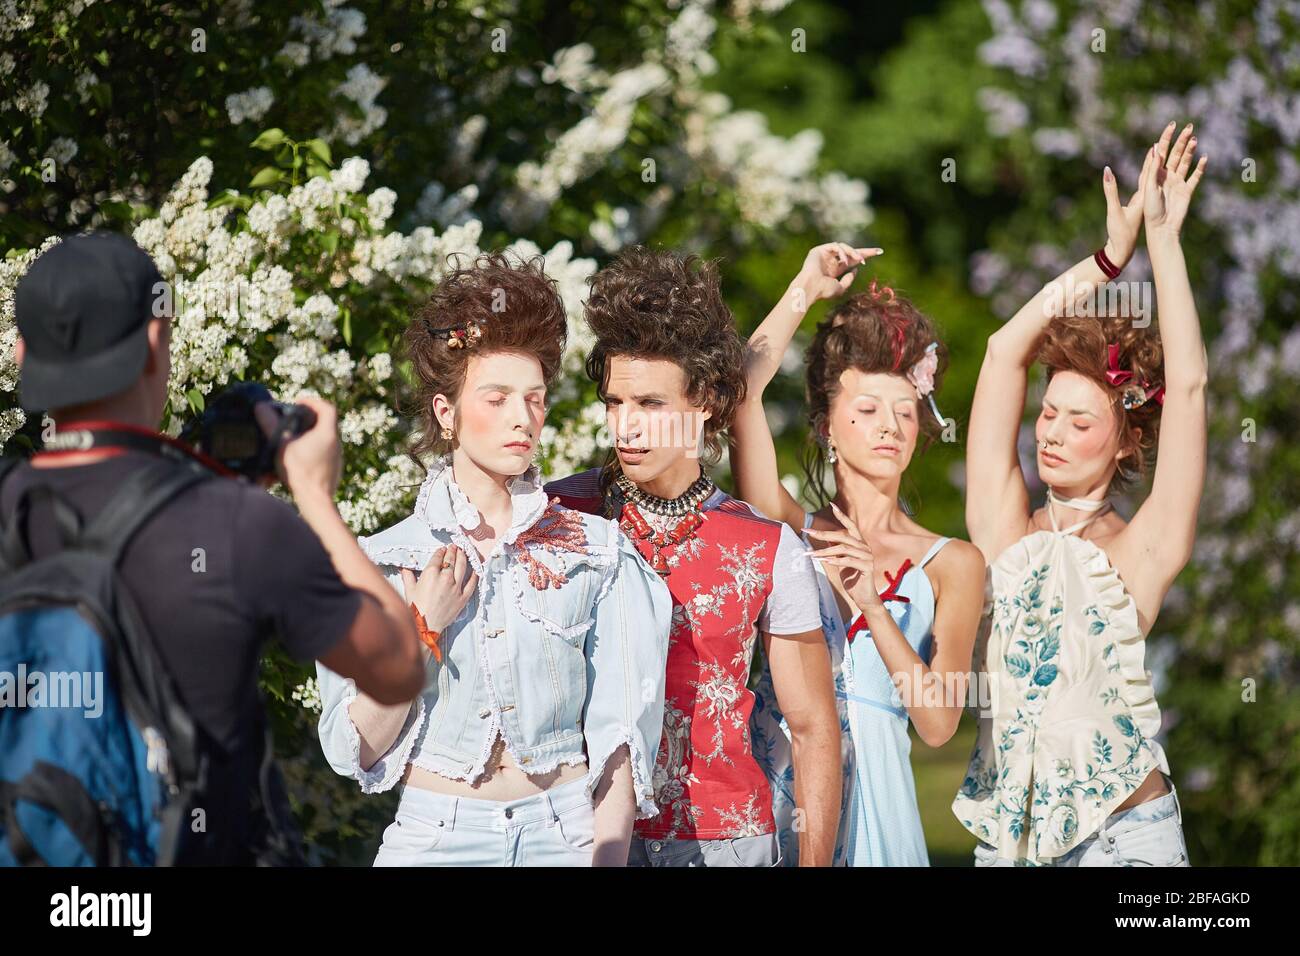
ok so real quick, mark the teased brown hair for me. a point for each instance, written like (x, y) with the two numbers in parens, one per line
(874, 331)
(496, 306)
(656, 305)
(1078, 344)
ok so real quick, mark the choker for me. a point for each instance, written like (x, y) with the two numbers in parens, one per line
(685, 503)
(1078, 504)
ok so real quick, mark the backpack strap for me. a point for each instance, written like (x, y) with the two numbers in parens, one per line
(141, 496)
(15, 551)
(277, 841)
(58, 791)
(176, 817)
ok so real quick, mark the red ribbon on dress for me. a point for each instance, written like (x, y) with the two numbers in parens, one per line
(889, 594)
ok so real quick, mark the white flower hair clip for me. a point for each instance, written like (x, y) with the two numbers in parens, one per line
(922, 376)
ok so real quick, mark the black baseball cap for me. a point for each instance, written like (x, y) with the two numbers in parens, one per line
(83, 309)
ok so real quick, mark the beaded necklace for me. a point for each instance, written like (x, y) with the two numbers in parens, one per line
(685, 506)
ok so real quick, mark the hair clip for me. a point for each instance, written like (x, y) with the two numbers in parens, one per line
(922, 374)
(1134, 395)
(464, 336)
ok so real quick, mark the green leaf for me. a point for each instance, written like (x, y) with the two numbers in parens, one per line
(269, 139)
(115, 210)
(266, 176)
(320, 149)
(330, 241)
(196, 400)
(228, 197)
(347, 324)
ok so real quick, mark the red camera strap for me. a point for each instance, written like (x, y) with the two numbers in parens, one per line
(108, 439)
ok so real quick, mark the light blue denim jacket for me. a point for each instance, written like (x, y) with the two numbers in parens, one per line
(561, 650)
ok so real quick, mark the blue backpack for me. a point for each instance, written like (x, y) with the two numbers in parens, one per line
(94, 770)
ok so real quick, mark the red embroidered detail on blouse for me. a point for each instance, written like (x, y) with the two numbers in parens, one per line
(558, 529)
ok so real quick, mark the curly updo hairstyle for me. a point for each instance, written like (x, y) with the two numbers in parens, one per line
(656, 305)
(493, 305)
(874, 331)
(1078, 344)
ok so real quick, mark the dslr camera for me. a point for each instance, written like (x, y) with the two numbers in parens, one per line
(228, 432)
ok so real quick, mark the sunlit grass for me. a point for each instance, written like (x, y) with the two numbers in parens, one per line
(938, 775)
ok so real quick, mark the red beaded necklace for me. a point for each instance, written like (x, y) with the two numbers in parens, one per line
(634, 523)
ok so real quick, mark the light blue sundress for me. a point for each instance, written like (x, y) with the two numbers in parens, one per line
(880, 823)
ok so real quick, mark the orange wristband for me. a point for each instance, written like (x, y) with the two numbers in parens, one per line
(428, 636)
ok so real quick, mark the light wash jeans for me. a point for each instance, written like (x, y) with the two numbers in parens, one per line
(1150, 834)
(555, 828)
(759, 850)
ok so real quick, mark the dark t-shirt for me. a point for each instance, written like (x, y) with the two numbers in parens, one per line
(262, 573)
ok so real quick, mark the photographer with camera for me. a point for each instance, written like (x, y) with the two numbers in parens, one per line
(199, 585)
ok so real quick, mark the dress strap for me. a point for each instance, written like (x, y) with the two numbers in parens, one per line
(934, 549)
(1098, 507)
(807, 520)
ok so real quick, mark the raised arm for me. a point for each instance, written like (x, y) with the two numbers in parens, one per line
(1165, 525)
(997, 500)
(828, 270)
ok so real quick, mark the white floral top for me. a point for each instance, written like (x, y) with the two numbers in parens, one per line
(1069, 729)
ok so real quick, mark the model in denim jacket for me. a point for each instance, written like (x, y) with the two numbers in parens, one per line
(547, 673)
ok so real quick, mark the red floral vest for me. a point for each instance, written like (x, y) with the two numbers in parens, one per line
(707, 784)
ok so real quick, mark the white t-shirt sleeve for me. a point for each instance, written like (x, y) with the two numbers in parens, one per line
(792, 607)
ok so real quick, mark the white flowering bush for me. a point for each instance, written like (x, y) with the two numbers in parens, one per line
(1083, 84)
(208, 130)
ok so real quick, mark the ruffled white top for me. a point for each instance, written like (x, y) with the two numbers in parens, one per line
(1067, 730)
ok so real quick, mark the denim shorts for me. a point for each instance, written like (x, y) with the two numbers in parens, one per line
(761, 850)
(555, 828)
(1150, 834)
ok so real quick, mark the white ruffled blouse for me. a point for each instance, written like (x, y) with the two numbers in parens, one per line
(1068, 729)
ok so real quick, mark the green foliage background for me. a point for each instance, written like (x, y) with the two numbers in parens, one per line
(895, 91)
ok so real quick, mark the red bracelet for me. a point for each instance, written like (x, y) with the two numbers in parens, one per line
(427, 635)
(1104, 263)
